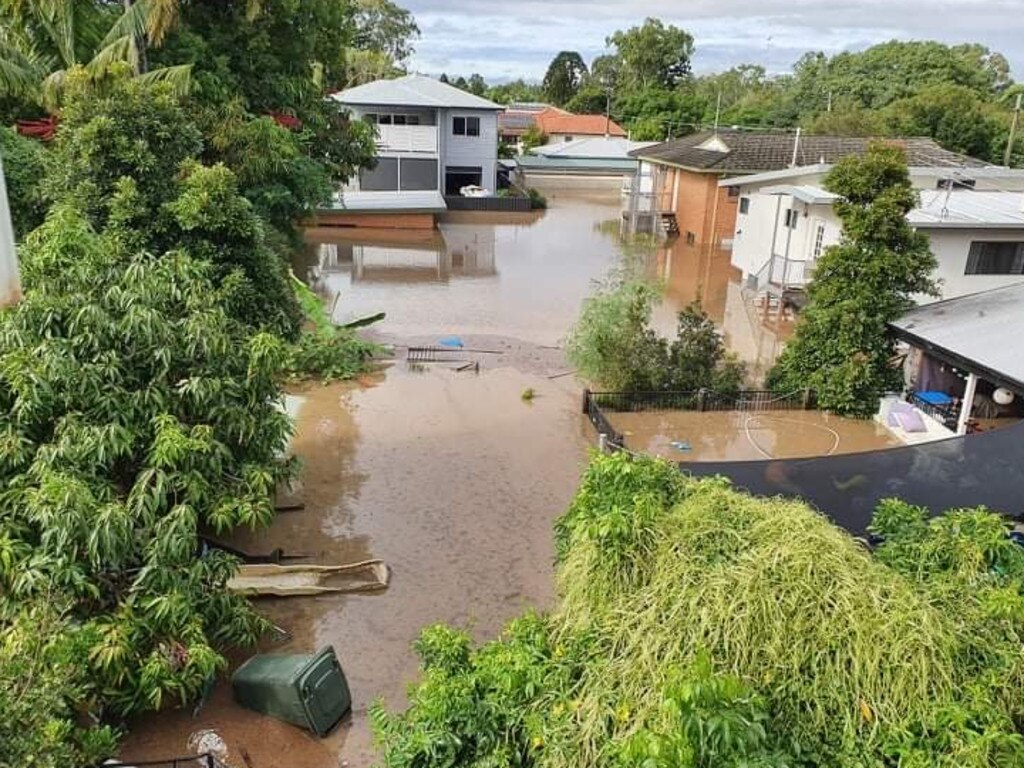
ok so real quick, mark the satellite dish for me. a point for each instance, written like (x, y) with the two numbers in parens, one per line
(1003, 396)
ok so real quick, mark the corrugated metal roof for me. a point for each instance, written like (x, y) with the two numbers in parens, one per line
(611, 147)
(580, 164)
(412, 91)
(805, 193)
(941, 209)
(752, 152)
(389, 202)
(982, 329)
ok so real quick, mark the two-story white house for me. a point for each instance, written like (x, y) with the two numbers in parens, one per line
(974, 217)
(431, 137)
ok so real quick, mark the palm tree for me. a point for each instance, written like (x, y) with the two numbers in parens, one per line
(40, 40)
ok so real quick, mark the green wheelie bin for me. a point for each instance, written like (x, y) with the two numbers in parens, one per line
(308, 690)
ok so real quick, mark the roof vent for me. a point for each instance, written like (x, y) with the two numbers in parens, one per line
(714, 144)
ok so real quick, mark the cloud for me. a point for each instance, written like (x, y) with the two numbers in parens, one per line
(504, 40)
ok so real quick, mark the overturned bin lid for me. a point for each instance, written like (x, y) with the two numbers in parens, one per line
(307, 690)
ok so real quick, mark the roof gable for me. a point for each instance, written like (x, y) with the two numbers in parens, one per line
(412, 91)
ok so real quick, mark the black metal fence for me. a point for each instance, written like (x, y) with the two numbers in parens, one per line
(205, 760)
(508, 204)
(595, 404)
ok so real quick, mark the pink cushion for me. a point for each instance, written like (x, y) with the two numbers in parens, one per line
(911, 421)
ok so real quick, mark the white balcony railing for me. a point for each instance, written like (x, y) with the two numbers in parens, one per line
(407, 138)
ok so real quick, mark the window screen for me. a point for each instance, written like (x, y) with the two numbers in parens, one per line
(383, 177)
(419, 174)
(744, 204)
(995, 258)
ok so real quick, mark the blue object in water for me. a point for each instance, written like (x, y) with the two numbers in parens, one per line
(451, 341)
(935, 398)
(681, 445)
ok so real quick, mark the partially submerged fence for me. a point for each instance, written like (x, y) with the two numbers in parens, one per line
(508, 204)
(205, 760)
(596, 404)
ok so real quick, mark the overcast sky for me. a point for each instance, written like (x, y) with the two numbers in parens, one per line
(507, 39)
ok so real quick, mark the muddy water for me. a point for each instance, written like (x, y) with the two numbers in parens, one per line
(454, 481)
(451, 478)
(745, 436)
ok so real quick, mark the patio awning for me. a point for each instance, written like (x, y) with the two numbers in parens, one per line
(979, 333)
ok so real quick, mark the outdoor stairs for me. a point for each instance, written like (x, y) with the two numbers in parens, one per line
(669, 225)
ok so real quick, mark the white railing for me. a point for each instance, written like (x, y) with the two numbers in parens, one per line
(780, 272)
(407, 138)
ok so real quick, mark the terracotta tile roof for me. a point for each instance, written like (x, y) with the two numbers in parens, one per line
(750, 152)
(554, 120)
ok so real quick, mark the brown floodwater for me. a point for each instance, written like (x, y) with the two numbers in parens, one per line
(524, 276)
(748, 436)
(450, 477)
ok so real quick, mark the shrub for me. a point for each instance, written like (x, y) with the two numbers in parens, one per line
(613, 346)
(24, 165)
(699, 626)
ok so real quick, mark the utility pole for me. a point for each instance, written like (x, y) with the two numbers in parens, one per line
(608, 113)
(796, 148)
(10, 277)
(829, 107)
(718, 109)
(1013, 132)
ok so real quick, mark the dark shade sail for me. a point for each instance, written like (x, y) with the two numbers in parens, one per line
(985, 469)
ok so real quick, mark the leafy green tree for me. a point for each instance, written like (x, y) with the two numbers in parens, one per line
(954, 115)
(697, 357)
(655, 114)
(24, 167)
(653, 55)
(384, 27)
(515, 91)
(476, 85)
(283, 60)
(564, 77)
(41, 40)
(43, 673)
(128, 159)
(135, 411)
(842, 346)
(590, 99)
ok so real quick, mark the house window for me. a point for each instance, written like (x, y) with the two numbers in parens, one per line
(733, 191)
(819, 241)
(744, 204)
(567, 138)
(383, 119)
(995, 258)
(466, 126)
(792, 217)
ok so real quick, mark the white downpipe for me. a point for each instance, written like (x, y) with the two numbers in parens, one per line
(967, 404)
(10, 276)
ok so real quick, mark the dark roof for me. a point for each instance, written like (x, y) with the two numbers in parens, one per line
(979, 332)
(750, 152)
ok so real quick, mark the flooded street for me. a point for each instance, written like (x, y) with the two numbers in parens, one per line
(452, 478)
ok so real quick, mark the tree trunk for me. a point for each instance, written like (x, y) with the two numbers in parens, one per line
(141, 65)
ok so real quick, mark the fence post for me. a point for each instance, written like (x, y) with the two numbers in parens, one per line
(701, 395)
(602, 442)
(586, 401)
(807, 399)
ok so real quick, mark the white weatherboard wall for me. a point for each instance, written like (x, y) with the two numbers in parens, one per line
(752, 242)
(470, 151)
(951, 247)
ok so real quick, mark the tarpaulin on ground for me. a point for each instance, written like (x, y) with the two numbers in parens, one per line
(982, 469)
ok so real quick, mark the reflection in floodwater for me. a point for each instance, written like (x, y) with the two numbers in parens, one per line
(525, 276)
